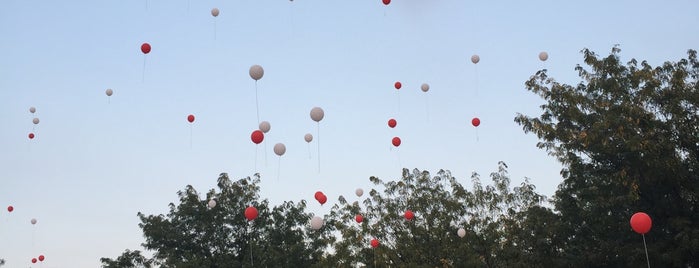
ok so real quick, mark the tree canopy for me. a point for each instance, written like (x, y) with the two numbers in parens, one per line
(628, 136)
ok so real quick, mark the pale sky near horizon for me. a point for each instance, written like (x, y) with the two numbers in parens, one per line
(97, 161)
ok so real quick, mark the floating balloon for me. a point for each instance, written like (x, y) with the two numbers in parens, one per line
(409, 215)
(279, 149)
(257, 136)
(392, 123)
(256, 72)
(33, 260)
(212, 203)
(475, 122)
(31, 136)
(41, 258)
(35, 120)
(265, 126)
(308, 137)
(190, 118)
(641, 222)
(386, 2)
(396, 141)
(543, 56)
(145, 48)
(375, 242)
(461, 232)
(317, 114)
(359, 192)
(425, 87)
(475, 59)
(320, 196)
(10, 208)
(214, 12)
(251, 213)
(316, 222)
(33, 221)
(109, 92)
(358, 218)
(398, 85)
(32, 109)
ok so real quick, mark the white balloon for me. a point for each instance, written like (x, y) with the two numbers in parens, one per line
(425, 87)
(317, 114)
(256, 72)
(265, 126)
(32, 109)
(35, 120)
(475, 59)
(33, 221)
(109, 92)
(316, 222)
(212, 203)
(308, 137)
(359, 192)
(461, 232)
(543, 56)
(279, 149)
(214, 12)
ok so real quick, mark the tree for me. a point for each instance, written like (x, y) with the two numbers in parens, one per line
(128, 259)
(193, 234)
(493, 217)
(628, 137)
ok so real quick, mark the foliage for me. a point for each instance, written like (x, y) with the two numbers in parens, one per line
(628, 136)
(194, 235)
(493, 217)
(128, 259)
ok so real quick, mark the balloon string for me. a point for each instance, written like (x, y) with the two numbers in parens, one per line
(109, 100)
(477, 139)
(257, 104)
(309, 150)
(279, 167)
(190, 136)
(318, 147)
(255, 158)
(427, 107)
(646, 248)
(144, 68)
(475, 67)
(265, 142)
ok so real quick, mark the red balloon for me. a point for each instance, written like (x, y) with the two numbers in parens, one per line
(250, 213)
(359, 218)
(396, 141)
(33, 260)
(190, 118)
(641, 222)
(31, 136)
(475, 122)
(386, 2)
(398, 85)
(10, 208)
(41, 257)
(392, 123)
(409, 215)
(322, 199)
(374, 243)
(257, 136)
(317, 195)
(145, 48)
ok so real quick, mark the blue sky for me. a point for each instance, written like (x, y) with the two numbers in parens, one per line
(96, 162)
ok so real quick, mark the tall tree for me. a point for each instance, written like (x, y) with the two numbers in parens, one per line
(628, 136)
(196, 234)
(492, 218)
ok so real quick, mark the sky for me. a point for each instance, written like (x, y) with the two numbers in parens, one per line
(96, 160)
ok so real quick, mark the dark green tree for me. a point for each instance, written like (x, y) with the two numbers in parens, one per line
(193, 234)
(628, 137)
(128, 259)
(492, 216)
